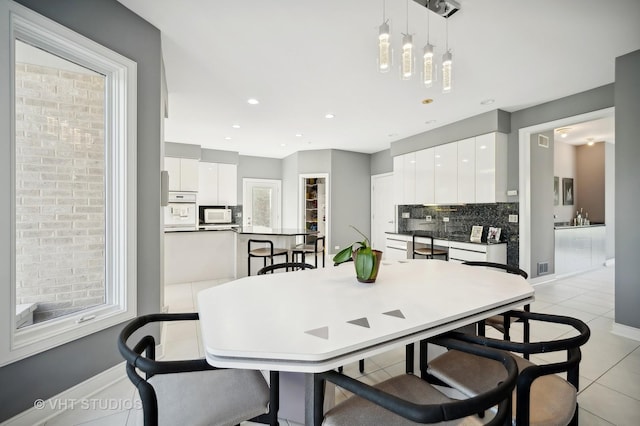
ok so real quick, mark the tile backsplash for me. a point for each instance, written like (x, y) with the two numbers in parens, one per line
(460, 220)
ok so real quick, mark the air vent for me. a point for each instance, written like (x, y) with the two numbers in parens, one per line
(543, 141)
(543, 268)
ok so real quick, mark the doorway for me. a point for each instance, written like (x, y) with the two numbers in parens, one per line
(262, 203)
(314, 204)
(525, 183)
(383, 210)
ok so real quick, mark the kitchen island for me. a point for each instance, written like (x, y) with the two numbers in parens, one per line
(281, 237)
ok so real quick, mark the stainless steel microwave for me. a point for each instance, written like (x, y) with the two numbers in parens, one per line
(217, 216)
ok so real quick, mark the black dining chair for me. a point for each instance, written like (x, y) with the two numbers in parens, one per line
(542, 396)
(409, 400)
(192, 392)
(293, 266)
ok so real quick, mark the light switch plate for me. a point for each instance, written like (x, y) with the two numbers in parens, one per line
(406, 215)
(427, 218)
(513, 218)
(445, 219)
(512, 192)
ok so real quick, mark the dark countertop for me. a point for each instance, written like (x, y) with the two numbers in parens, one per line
(259, 230)
(452, 237)
(200, 228)
(567, 226)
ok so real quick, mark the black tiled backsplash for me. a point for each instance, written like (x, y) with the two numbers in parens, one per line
(461, 219)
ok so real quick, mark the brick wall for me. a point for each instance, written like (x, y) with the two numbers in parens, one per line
(60, 188)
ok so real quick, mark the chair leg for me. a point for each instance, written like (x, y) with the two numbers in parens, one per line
(249, 266)
(361, 365)
(409, 358)
(423, 359)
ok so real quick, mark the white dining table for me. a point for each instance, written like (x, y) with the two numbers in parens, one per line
(316, 320)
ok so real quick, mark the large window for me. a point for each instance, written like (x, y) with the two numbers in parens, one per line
(71, 162)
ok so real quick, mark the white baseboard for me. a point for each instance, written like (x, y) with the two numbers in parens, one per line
(626, 331)
(49, 409)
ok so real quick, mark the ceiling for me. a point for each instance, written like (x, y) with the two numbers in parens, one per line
(303, 59)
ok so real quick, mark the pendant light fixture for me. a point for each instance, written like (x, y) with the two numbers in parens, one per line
(427, 60)
(406, 65)
(384, 44)
(447, 65)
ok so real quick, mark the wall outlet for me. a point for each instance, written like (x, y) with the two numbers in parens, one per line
(239, 214)
(512, 192)
(406, 215)
(427, 218)
(445, 219)
(336, 247)
(513, 218)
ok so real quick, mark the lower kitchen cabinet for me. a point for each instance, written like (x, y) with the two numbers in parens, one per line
(199, 256)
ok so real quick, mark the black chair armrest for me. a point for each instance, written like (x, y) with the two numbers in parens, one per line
(432, 413)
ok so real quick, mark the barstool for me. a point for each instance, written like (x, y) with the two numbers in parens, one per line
(313, 245)
(429, 251)
(264, 252)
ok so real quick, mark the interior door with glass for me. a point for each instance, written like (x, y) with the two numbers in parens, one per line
(262, 203)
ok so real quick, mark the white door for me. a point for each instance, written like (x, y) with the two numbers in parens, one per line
(382, 210)
(262, 203)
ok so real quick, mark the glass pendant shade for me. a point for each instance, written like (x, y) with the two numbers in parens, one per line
(427, 65)
(446, 72)
(384, 48)
(407, 57)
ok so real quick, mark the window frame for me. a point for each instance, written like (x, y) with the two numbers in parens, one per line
(120, 186)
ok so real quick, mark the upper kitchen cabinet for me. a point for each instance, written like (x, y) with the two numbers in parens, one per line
(467, 171)
(413, 177)
(425, 176)
(218, 184)
(183, 173)
(491, 168)
(404, 178)
(446, 173)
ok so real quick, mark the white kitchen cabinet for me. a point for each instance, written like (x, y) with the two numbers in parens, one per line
(404, 178)
(218, 184)
(398, 180)
(183, 173)
(461, 252)
(467, 170)
(425, 177)
(446, 173)
(395, 247)
(491, 168)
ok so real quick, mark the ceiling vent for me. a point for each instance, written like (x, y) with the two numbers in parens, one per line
(444, 8)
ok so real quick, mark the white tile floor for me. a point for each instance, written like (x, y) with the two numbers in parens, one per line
(610, 369)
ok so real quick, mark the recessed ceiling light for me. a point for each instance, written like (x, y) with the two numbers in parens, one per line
(227, 138)
(590, 141)
(488, 101)
(253, 101)
(563, 132)
(329, 115)
(427, 101)
(298, 135)
(235, 126)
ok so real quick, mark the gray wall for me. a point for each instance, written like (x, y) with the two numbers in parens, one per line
(350, 197)
(492, 121)
(610, 198)
(381, 162)
(627, 151)
(48, 373)
(182, 150)
(543, 239)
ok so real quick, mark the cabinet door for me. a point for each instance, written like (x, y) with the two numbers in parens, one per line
(467, 170)
(207, 184)
(398, 180)
(446, 173)
(486, 168)
(409, 187)
(172, 166)
(425, 187)
(227, 184)
(188, 174)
